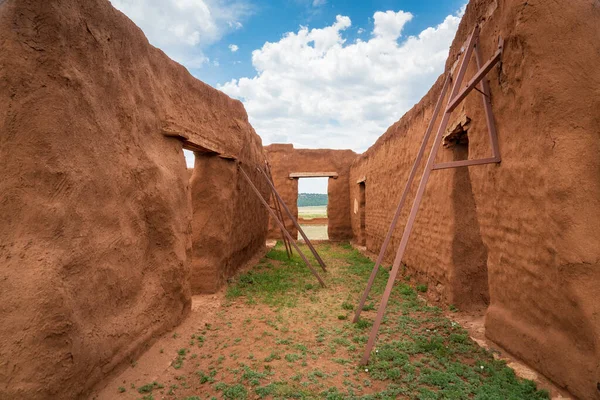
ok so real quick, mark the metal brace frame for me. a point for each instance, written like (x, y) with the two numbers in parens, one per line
(456, 97)
(279, 223)
(269, 177)
(279, 200)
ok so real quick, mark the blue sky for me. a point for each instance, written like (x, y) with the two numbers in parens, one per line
(269, 20)
(315, 73)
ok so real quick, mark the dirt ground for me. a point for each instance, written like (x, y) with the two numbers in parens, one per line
(314, 222)
(274, 333)
(314, 232)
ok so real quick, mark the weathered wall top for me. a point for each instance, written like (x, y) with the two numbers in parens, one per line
(45, 56)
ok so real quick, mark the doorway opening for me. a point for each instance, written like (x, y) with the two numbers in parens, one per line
(469, 276)
(312, 205)
(362, 215)
(189, 159)
(213, 191)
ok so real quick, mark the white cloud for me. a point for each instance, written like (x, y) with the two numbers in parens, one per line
(389, 24)
(235, 24)
(317, 3)
(360, 31)
(315, 90)
(182, 28)
(233, 48)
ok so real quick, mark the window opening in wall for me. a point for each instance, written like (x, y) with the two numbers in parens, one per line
(189, 158)
(312, 207)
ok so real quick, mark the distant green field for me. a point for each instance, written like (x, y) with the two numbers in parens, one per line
(312, 199)
(312, 212)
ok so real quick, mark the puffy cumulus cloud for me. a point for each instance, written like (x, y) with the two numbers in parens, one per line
(233, 48)
(315, 89)
(181, 28)
(389, 24)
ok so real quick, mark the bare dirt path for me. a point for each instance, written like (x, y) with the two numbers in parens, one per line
(274, 333)
(314, 232)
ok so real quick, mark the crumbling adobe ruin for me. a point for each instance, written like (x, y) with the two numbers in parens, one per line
(105, 235)
(97, 225)
(520, 238)
(287, 162)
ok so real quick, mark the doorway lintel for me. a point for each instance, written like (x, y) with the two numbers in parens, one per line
(296, 175)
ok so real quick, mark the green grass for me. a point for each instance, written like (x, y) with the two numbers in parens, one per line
(275, 286)
(273, 356)
(232, 392)
(206, 378)
(421, 288)
(292, 357)
(282, 390)
(419, 354)
(148, 388)
(178, 362)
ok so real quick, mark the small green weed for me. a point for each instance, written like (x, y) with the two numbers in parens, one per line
(292, 357)
(232, 392)
(149, 387)
(272, 356)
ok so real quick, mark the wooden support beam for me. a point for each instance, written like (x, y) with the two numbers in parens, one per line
(295, 175)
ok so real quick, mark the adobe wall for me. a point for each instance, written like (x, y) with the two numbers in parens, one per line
(227, 230)
(95, 239)
(446, 249)
(284, 159)
(531, 223)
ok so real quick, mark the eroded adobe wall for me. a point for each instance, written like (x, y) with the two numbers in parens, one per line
(284, 159)
(227, 230)
(436, 243)
(534, 220)
(94, 198)
(446, 250)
